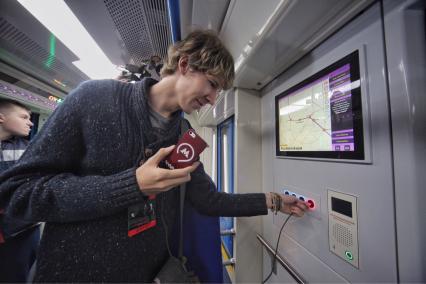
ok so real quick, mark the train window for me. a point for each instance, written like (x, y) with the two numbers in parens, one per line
(225, 158)
(213, 156)
(225, 182)
(321, 117)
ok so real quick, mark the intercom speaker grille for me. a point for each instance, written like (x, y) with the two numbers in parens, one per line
(342, 235)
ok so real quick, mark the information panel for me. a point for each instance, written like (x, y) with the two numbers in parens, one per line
(322, 116)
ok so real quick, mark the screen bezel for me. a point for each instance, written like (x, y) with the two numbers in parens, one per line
(358, 153)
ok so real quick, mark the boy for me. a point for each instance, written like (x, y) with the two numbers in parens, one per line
(18, 239)
(15, 124)
(99, 158)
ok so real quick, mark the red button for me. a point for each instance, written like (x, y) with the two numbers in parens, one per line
(311, 203)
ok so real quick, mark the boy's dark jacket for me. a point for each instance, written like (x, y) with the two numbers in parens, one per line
(78, 176)
(14, 147)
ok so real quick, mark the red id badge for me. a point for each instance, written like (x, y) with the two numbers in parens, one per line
(141, 217)
(187, 150)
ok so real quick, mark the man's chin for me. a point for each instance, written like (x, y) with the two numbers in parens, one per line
(188, 110)
(191, 109)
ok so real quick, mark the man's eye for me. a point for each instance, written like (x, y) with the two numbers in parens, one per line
(213, 84)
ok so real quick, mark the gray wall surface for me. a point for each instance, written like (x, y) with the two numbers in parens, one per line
(305, 241)
(404, 27)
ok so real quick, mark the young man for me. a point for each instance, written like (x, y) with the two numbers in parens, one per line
(154, 67)
(15, 124)
(98, 161)
(18, 239)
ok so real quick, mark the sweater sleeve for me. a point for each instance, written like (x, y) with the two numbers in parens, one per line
(45, 184)
(202, 193)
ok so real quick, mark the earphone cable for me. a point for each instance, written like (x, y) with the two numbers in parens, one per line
(276, 249)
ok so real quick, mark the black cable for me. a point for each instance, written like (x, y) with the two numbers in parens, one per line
(276, 249)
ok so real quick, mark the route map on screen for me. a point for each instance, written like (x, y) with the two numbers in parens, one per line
(318, 115)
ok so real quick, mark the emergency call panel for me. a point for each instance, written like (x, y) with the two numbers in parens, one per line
(343, 226)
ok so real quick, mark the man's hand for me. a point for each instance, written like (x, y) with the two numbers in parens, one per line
(153, 180)
(289, 204)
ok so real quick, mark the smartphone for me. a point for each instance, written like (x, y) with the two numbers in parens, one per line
(187, 150)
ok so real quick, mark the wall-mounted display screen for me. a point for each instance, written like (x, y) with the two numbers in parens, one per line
(321, 117)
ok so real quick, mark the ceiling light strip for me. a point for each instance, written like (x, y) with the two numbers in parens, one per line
(58, 18)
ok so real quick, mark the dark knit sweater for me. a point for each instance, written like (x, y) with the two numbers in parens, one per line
(78, 176)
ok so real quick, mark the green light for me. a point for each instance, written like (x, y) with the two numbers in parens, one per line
(349, 255)
(52, 51)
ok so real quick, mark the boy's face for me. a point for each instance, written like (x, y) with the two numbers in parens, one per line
(195, 89)
(16, 121)
(155, 59)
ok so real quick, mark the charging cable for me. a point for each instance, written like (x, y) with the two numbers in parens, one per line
(276, 249)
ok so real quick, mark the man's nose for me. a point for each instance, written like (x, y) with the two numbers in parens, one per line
(30, 123)
(212, 97)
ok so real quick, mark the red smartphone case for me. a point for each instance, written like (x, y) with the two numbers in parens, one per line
(187, 150)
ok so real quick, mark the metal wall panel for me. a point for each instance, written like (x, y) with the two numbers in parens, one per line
(305, 241)
(406, 60)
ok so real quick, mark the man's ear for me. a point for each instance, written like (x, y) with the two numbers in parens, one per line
(183, 65)
(1, 117)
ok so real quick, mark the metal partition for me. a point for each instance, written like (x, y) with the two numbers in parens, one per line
(327, 245)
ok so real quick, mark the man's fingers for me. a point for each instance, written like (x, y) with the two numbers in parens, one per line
(292, 200)
(153, 179)
(294, 205)
(303, 206)
(180, 172)
(297, 211)
(166, 177)
(160, 155)
(289, 200)
(300, 204)
(168, 184)
(177, 181)
(192, 167)
(179, 176)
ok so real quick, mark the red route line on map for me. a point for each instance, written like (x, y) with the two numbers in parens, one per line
(314, 121)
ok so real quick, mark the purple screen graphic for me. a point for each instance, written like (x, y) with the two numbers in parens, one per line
(342, 129)
(322, 115)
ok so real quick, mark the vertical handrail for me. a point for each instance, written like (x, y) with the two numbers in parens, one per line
(174, 16)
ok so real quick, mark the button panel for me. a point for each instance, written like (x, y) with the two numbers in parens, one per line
(312, 200)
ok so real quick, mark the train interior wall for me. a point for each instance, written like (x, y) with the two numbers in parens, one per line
(387, 183)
